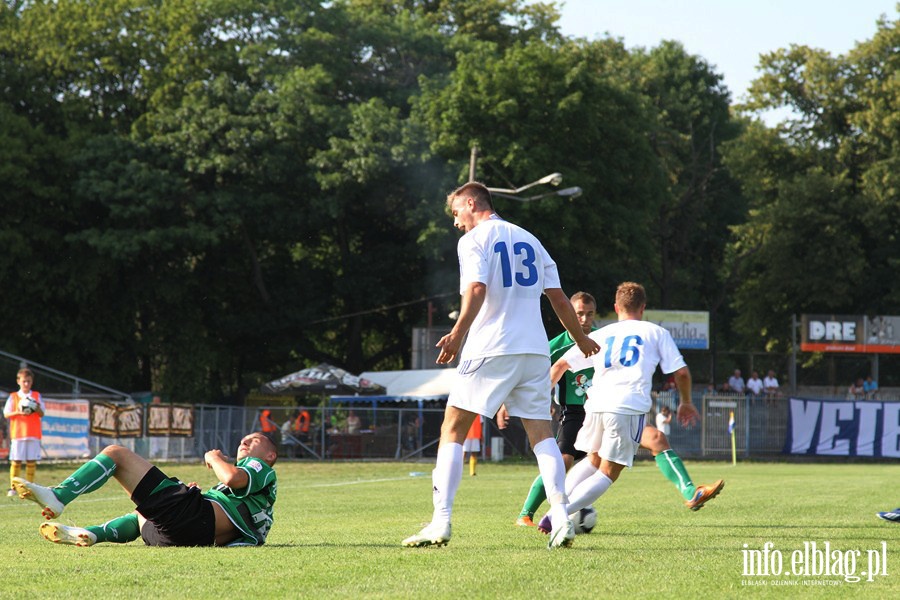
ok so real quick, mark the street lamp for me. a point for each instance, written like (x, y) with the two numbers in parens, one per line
(571, 192)
(553, 179)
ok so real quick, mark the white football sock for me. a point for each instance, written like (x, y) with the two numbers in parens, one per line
(445, 478)
(578, 473)
(553, 472)
(586, 492)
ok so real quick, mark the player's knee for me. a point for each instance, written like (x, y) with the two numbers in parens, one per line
(115, 452)
(654, 440)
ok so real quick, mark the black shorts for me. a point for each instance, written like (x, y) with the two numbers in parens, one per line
(569, 423)
(176, 514)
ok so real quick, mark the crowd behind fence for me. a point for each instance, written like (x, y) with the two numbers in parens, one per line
(388, 433)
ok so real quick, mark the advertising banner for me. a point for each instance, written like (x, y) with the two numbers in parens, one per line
(111, 420)
(174, 421)
(182, 420)
(64, 429)
(843, 428)
(103, 419)
(690, 328)
(850, 333)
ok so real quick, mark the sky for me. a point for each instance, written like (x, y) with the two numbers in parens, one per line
(729, 34)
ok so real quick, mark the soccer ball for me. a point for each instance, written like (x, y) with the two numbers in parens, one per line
(584, 520)
(27, 406)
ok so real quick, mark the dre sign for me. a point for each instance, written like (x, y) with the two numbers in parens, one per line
(871, 334)
(841, 331)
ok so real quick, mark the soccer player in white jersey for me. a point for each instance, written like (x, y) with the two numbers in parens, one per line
(618, 400)
(504, 270)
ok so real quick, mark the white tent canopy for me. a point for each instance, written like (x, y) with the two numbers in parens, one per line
(420, 384)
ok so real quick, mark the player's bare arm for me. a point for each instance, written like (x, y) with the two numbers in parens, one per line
(687, 412)
(225, 471)
(562, 306)
(472, 300)
(557, 371)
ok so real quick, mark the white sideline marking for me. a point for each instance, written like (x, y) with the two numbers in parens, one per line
(342, 483)
(17, 503)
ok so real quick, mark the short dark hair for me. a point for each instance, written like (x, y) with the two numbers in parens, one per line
(478, 191)
(584, 297)
(273, 445)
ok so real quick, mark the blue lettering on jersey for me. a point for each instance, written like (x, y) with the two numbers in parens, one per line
(526, 277)
(629, 353)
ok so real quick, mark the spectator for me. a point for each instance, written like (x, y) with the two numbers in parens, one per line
(856, 391)
(870, 388)
(770, 384)
(288, 439)
(412, 433)
(301, 423)
(755, 385)
(736, 383)
(268, 427)
(353, 422)
(668, 395)
(664, 420)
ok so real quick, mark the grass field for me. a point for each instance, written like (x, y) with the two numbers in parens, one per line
(338, 527)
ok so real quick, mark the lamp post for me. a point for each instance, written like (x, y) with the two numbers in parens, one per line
(553, 179)
(570, 192)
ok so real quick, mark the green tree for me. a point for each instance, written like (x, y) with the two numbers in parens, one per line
(689, 108)
(229, 176)
(537, 108)
(823, 201)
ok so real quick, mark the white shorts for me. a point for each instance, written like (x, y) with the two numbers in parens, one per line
(521, 381)
(613, 436)
(472, 445)
(26, 450)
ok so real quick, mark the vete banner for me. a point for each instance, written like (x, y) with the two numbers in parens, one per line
(843, 428)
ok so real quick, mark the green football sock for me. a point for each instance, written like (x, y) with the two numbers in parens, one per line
(671, 466)
(536, 496)
(87, 478)
(119, 530)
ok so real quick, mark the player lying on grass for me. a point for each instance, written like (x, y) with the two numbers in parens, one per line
(618, 400)
(236, 512)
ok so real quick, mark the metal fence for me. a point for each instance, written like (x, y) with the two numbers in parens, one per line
(413, 433)
(760, 427)
(385, 434)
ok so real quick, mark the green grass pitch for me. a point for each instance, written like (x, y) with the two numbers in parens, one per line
(338, 528)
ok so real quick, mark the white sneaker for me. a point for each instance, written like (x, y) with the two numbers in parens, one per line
(66, 534)
(435, 534)
(43, 496)
(12, 493)
(562, 537)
